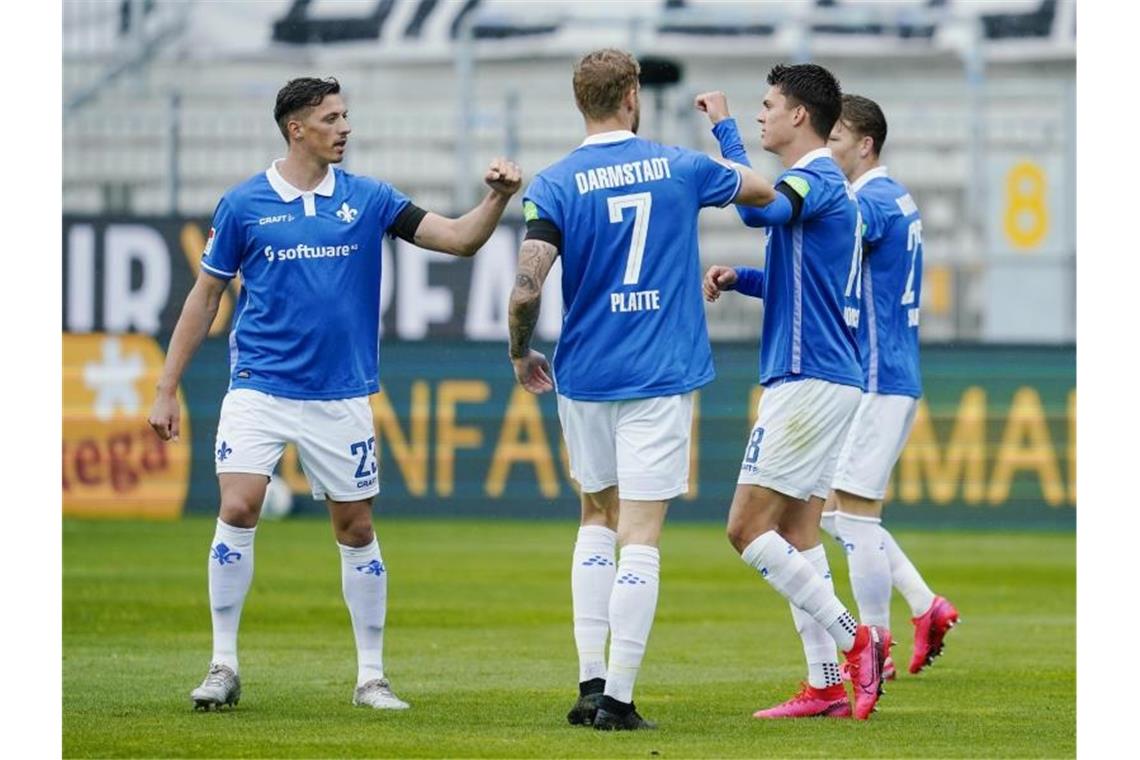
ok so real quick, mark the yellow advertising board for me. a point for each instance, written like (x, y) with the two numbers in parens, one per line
(113, 463)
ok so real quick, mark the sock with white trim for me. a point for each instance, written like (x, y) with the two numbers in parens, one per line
(906, 578)
(789, 573)
(229, 572)
(633, 604)
(591, 582)
(864, 540)
(827, 523)
(364, 581)
(819, 647)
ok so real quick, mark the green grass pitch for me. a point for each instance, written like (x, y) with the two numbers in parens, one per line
(479, 640)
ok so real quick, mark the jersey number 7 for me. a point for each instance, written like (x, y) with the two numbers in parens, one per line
(641, 203)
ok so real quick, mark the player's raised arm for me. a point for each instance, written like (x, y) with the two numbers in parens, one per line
(467, 234)
(531, 368)
(193, 324)
(755, 191)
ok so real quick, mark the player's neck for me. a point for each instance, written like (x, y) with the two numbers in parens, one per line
(799, 148)
(303, 172)
(612, 124)
(863, 168)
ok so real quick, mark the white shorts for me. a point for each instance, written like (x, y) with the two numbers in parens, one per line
(641, 445)
(336, 441)
(794, 445)
(876, 438)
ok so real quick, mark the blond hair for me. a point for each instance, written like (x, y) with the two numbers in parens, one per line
(601, 80)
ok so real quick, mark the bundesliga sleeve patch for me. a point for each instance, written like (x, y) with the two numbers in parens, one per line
(209, 244)
(530, 211)
(799, 184)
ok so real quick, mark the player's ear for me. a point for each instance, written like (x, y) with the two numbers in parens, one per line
(296, 129)
(866, 144)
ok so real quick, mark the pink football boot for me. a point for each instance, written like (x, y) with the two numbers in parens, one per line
(810, 702)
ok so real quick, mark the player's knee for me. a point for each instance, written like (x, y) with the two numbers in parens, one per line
(355, 533)
(802, 537)
(239, 512)
(739, 536)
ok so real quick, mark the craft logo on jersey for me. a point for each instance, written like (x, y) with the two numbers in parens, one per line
(346, 213)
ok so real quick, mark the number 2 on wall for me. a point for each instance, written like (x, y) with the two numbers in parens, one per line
(641, 203)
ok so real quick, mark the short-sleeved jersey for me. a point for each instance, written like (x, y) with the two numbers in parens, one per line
(892, 285)
(811, 288)
(307, 324)
(633, 324)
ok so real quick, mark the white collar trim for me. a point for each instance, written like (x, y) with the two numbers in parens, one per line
(810, 156)
(289, 193)
(867, 176)
(602, 138)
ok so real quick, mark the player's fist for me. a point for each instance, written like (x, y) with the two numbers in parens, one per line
(718, 278)
(533, 372)
(715, 104)
(503, 176)
(165, 417)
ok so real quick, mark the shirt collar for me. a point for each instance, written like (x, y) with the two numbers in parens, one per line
(602, 138)
(289, 193)
(807, 158)
(867, 176)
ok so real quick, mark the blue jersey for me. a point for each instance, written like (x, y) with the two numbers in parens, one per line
(307, 324)
(633, 324)
(812, 273)
(892, 285)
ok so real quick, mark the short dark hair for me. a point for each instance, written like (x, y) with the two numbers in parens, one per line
(813, 87)
(303, 92)
(864, 117)
(601, 80)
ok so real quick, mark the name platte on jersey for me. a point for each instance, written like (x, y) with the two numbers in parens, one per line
(307, 324)
(892, 285)
(633, 323)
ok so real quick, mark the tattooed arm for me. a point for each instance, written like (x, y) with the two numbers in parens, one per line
(531, 368)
